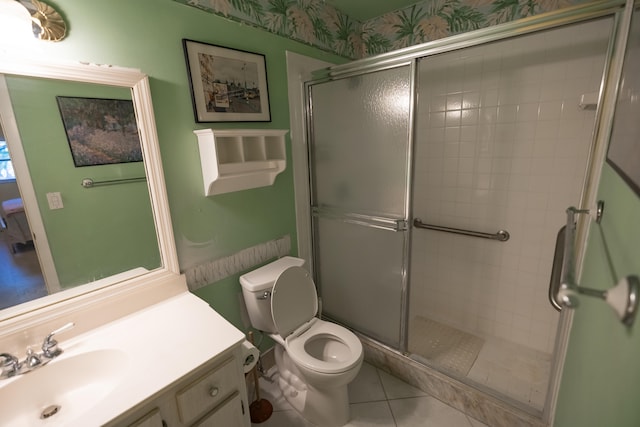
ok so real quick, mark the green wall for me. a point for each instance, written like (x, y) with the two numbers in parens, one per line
(601, 380)
(100, 231)
(147, 34)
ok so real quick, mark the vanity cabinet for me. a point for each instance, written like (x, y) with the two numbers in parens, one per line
(212, 395)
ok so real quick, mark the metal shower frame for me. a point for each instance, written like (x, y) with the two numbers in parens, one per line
(621, 12)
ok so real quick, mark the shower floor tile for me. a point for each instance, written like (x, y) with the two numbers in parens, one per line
(450, 348)
(514, 370)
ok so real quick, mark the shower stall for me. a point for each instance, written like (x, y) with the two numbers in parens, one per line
(439, 178)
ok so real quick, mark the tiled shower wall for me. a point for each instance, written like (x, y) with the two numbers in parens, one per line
(501, 143)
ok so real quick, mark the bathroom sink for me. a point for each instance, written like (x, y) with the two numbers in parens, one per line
(57, 393)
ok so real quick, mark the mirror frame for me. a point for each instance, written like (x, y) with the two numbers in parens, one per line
(106, 300)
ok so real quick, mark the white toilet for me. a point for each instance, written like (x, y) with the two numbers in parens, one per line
(316, 359)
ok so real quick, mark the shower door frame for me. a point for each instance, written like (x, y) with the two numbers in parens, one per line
(398, 225)
(602, 127)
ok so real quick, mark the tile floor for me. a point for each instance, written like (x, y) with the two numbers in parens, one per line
(376, 399)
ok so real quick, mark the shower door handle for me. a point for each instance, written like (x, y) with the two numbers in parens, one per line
(556, 269)
(382, 223)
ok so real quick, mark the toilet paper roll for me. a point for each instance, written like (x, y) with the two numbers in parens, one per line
(250, 356)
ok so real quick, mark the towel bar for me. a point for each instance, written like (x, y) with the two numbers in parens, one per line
(89, 183)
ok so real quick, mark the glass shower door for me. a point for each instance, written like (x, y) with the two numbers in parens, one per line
(359, 163)
(503, 140)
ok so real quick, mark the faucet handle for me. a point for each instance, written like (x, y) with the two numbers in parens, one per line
(10, 365)
(50, 346)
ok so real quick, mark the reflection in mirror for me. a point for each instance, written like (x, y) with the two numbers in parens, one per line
(20, 274)
(89, 234)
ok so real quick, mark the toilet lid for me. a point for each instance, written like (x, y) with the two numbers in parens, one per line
(293, 300)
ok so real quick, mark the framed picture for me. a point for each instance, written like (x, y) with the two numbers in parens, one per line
(100, 131)
(227, 85)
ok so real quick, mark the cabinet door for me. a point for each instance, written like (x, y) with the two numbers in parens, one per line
(208, 391)
(152, 419)
(227, 415)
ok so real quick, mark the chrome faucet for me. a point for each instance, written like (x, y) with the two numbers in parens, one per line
(12, 366)
(33, 360)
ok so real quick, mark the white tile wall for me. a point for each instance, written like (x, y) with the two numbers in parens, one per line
(501, 144)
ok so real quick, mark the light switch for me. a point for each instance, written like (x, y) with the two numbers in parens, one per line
(55, 200)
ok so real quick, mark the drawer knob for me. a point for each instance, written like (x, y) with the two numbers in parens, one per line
(213, 391)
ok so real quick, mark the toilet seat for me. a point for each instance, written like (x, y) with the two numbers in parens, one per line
(294, 304)
(344, 359)
(293, 300)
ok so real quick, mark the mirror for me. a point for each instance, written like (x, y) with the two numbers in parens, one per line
(94, 232)
(86, 238)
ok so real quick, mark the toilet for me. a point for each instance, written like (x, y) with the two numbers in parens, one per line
(316, 359)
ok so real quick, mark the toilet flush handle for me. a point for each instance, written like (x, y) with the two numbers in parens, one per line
(265, 295)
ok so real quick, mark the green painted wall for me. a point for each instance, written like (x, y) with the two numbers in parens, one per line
(601, 380)
(100, 231)
(147, 34)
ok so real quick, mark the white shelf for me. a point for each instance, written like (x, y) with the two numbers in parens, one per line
(239, 159)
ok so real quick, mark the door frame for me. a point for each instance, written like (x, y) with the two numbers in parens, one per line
(27, 192)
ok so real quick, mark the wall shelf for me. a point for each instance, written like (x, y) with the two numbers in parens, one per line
(239, 159)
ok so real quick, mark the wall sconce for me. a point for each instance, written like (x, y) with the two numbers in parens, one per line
(16, 15)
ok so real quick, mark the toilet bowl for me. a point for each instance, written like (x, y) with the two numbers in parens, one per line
(316, 359)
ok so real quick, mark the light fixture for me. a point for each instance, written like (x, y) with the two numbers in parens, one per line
(15, 22)
(47, 22)
(18, 16)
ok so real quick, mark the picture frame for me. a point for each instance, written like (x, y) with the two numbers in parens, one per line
(227, 85)
(100, 131)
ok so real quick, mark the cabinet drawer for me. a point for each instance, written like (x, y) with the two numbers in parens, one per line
(203, 394)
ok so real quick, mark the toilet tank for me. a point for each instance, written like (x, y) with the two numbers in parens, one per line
(256, 283)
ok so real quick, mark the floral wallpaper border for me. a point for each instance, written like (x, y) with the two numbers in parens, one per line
(316, 23)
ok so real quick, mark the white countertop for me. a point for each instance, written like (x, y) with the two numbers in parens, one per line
(162, 343)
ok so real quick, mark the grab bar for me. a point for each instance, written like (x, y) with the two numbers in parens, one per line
(500, 235)
(623, 297)
(556, 269)
(89, 183)
(567, 278)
